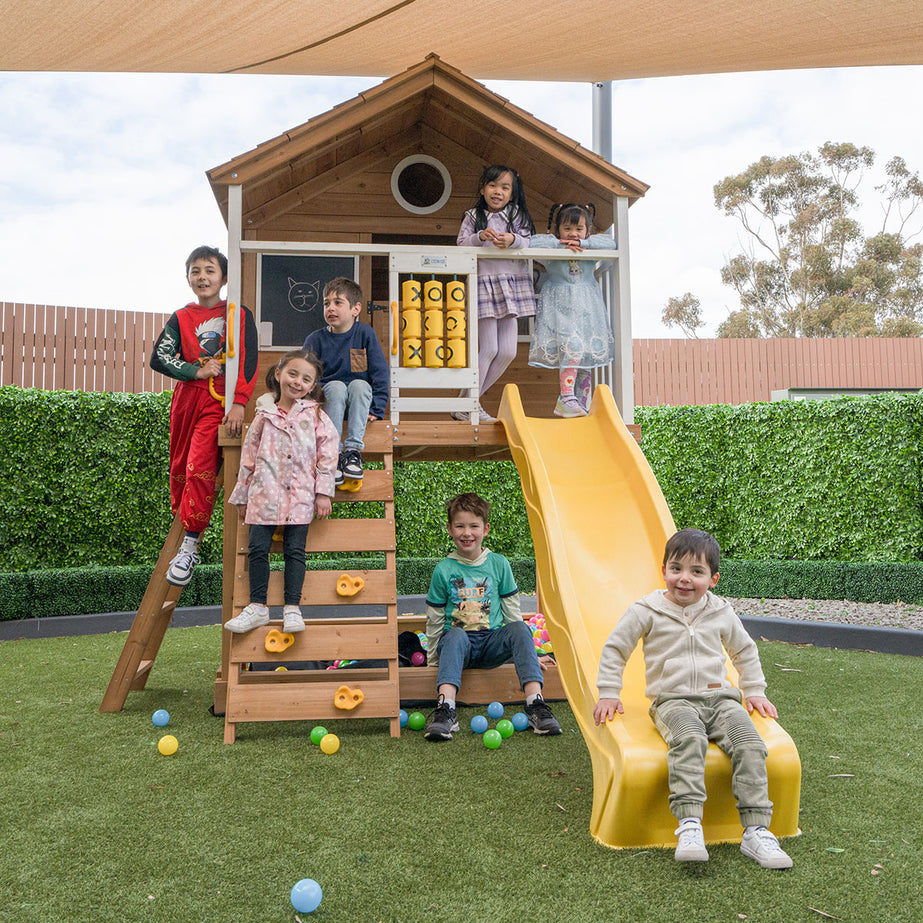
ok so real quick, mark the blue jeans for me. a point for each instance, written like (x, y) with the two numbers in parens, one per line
(293, 549)
(487, 649)
(355, 397)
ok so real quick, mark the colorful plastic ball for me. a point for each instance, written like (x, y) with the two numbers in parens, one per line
(418, 658)
(318, 734)
(505, 728)
(161, 717)
(478, 724)
(167, 745)
(404, 717)
(492, 739)
(306, 895)
(330, 743)
(495, 710)
(424, 641)
(416, 721)
(520, 721)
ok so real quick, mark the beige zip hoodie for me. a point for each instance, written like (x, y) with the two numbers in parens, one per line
(684, 648)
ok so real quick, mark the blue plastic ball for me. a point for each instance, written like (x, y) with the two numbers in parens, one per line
(495, 710)
(404, 717)
(520, 721)
(306, 895)
(161, 717)
(478, 724)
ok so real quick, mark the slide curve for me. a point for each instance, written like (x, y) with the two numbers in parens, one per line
(599, 524)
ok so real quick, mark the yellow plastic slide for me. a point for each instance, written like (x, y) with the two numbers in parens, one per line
(599, 524)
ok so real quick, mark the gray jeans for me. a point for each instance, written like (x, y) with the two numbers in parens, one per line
(687, 724)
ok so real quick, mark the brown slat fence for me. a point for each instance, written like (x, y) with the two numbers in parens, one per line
(86, 349)
(78, 349)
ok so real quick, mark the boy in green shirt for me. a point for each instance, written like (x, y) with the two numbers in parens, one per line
(474, 620)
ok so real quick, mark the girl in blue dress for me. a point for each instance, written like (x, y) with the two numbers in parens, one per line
(572, 332)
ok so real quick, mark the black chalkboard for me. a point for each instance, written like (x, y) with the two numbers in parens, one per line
(292, 293)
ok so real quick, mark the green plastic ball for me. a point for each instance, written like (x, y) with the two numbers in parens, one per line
(505, 727)
(416, 721)
(492, 739)
(318, 734)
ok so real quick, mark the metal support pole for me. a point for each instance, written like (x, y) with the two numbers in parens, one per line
(602, 119)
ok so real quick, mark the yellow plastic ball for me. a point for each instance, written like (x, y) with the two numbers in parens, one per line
(330, 743)
(167, 745)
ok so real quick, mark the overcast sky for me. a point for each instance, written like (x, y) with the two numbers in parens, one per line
(103, 189)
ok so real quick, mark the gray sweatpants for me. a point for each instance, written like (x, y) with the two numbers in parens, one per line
(687, 724)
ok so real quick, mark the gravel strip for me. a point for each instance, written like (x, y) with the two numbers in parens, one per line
(843, 611)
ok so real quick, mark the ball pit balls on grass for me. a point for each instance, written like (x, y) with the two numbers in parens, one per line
(168, 745)
(416, 721)
(330, 743)
(495, 710)
(505, 728)
(520, 721)
(161, 718)
(306, 895)
(318, 734)
(404, 718)
(478, 724)
(492, 739)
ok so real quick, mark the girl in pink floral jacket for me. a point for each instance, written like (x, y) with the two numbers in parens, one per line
(286, 479)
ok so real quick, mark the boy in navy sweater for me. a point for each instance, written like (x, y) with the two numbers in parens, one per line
(355, 375)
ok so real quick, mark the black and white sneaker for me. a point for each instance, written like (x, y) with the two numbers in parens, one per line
(442, 722)
(541, 719)
(338, 476)
(179, 573)
(352, 465)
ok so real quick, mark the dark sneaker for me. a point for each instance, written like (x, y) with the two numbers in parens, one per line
(352, 465)
(338, 476)
(541, 719)
(179, 573)
(442, 722)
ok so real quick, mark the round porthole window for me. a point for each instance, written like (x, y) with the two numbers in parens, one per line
(421, 184)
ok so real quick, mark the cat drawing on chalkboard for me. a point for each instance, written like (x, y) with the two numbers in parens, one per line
(304, 297)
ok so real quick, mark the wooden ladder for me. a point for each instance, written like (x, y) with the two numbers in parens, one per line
(308, 695)
(150, 623)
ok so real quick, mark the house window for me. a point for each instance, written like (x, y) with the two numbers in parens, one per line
(421, 184)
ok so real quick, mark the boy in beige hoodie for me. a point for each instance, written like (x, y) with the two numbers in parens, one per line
(686, 630)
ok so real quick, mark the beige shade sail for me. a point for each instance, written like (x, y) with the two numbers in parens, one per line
(587, 40)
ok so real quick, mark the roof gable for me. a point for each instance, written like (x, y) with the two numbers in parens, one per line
(430, 108)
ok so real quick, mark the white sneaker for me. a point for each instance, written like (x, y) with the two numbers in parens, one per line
(253, 616)
(690, 846)
(760, 845)
(179, 573)
(484, 416)
(292, 619)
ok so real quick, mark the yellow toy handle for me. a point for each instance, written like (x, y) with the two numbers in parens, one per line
(396, 330)
(230, 338)
(211, 390)
(211, 381)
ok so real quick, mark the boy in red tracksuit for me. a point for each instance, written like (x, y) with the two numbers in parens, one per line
(190, 349)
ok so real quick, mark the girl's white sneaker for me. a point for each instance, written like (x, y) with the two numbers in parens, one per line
(252, 616)
(292, 620)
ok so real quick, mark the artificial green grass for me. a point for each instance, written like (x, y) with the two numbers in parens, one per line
(96, 825)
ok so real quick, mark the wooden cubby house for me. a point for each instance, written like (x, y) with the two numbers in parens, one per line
(375, 189)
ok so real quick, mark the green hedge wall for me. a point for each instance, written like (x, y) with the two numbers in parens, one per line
(80, 591)
(836, 480)
(84, 481)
